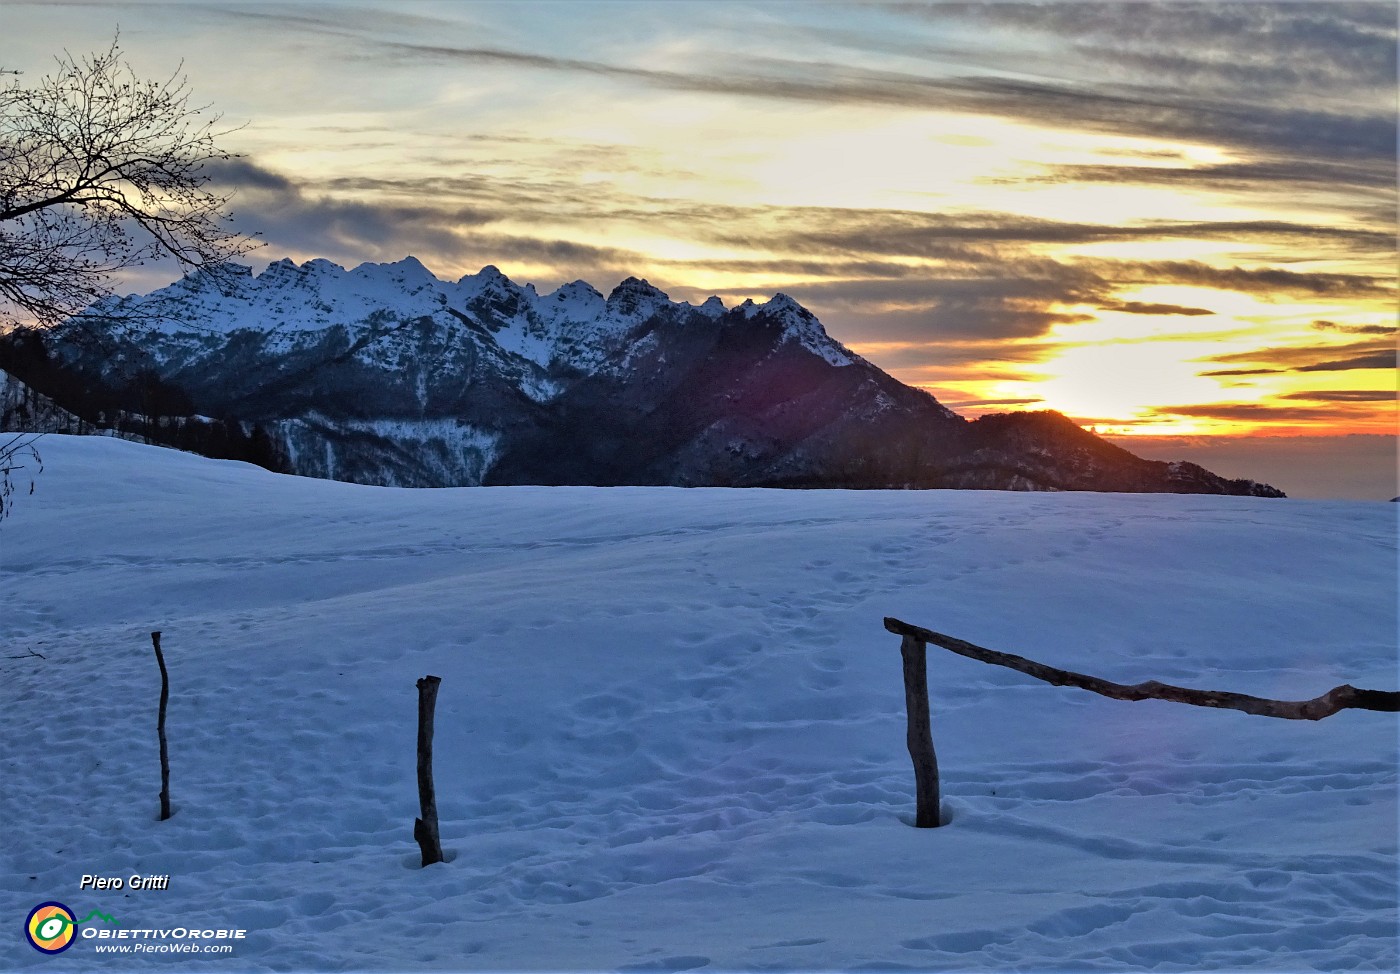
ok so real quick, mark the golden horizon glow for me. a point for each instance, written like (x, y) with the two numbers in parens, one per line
(1013, 226)
(1119, 371)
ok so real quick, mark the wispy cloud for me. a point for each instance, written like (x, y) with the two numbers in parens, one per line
(1344, 395)
(1376, 360)
(1351, 356)
(463, 232)
(1254, 47)
(892, 274)
(1284, 175)
(1257, 280)
(983, 403)
(1253, 412)
(1229, 373)
(1225, 92)
(934, 235)
(1324, 325)
(1150, 308)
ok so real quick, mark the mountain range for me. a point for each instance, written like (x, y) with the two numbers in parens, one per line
(385, 374)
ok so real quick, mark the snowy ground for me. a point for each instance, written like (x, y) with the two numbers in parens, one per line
(670, 734)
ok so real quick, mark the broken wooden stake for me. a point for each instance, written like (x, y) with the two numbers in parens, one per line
(425, 827)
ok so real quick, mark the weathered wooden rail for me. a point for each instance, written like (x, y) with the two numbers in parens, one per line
(913, 649)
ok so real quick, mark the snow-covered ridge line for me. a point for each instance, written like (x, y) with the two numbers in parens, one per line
(570, 386)
(319, 294)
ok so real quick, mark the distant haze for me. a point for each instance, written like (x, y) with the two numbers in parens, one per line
(1345, 467)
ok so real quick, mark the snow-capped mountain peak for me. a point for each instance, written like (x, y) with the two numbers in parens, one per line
(576, 292)
(575, 302)
(711, 307)
(487, 279)
(323, 266)
(799, 325)
(635, 300)
(405, 268)
(785, 302)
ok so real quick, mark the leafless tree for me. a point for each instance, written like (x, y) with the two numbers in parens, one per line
(100, 171)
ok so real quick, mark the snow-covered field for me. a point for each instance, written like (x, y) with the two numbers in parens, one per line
(670, 734)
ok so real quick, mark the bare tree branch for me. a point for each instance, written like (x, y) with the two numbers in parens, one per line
(17, 448)
(100, 171)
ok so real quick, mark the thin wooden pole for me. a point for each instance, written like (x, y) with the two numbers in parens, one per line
(425, 828)
(920, 735)
(160, 730)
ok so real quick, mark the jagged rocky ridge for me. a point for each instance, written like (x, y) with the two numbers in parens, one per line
(386, 375)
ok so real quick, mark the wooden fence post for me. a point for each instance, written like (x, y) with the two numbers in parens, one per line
(920, 736)
(425, 828)
(160, 731)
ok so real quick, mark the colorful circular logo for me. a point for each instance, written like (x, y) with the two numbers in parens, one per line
(50, 928)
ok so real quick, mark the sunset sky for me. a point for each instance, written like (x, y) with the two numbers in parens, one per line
(1174, 223)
